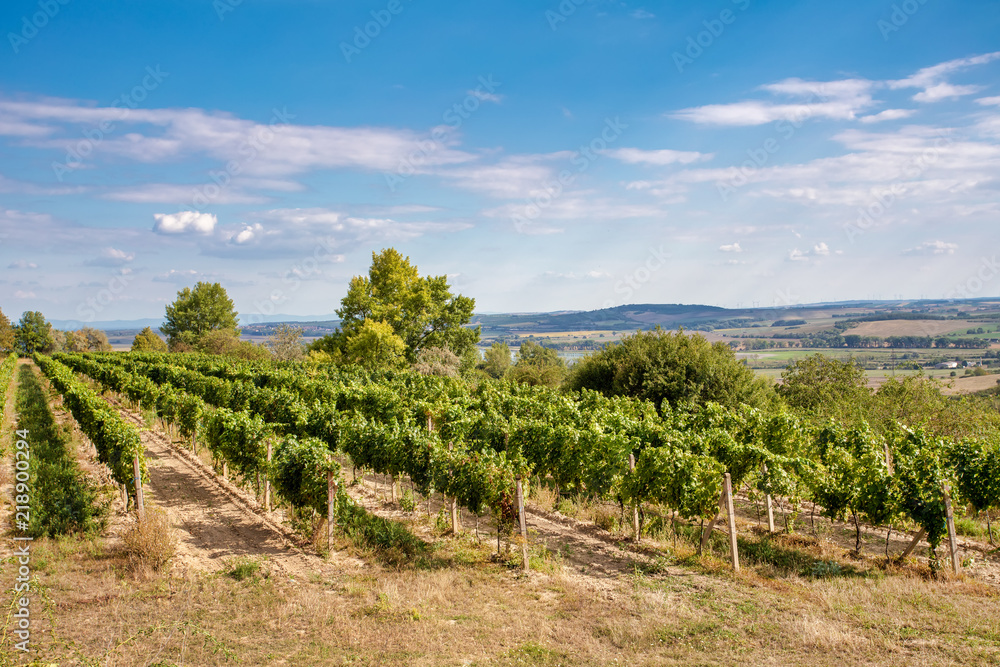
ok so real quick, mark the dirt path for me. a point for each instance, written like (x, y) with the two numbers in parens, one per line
(213, 519)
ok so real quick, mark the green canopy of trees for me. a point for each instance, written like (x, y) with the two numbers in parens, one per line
(537, 365)
(675, 367)
(6, 334)
(33, 333)
(393, 312)
(197, 312)
(147, 341)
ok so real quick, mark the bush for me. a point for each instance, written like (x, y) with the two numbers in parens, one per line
(150, 543)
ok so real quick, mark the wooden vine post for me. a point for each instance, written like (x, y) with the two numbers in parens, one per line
(524, 527)
(734, 553)
(913, 543)
(770, 505)
(956, 566)
(267, 478)
(140, 506)
(635, 508)
(456, 524)
(331, 507)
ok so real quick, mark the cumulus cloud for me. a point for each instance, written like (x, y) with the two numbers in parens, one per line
(929, 248)
(21, 294)
(732, 247)
(821, 249)
(248, 234)
(111, 257)
(185, 222)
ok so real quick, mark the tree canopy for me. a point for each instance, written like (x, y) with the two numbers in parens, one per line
(822, 387)
(147, 341)
(33, 333)
(660, 365)
(198, 311)
(393, 298)
(537, 365)
(6, 334)
(497, 360)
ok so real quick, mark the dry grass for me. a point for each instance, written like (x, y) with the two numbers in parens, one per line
(150, 543)
(483, 614)
(910, 327)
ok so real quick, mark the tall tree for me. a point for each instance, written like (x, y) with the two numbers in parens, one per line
(497, 361)
(821, 387)
(661, 365)
(537, 365)
(421, 311)
(6, 334)
(286, 343)
(33, 333)
(197, 312)
(147, 341)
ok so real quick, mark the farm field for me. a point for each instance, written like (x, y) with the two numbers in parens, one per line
(431, 596)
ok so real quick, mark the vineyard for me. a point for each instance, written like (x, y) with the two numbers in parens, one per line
(291, 428)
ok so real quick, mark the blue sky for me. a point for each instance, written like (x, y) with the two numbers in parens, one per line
(546, 156)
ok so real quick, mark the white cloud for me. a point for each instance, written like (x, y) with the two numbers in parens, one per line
(248, 234)
(888, 114)
(171, 193)
(989, 101)
(838, 100)
(177, 276)
(659, 157)
(932, 248)
(21, 294)
(22, 264)
(184, 222)
(111, 257)
(821, 249)
(732, 247)
(932, 79)
(641, 14)
(796, 255)
(485, 96)
(944, 91)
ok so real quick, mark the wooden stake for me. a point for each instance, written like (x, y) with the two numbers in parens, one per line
(225, 470)
(770, 506)
(635, 508)
(392, 483)
(331, 509)
(267, 479)
(524, 527)
(733, 549)
(140, 506)
(913, 544)
(956, 566)
(456, 524)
